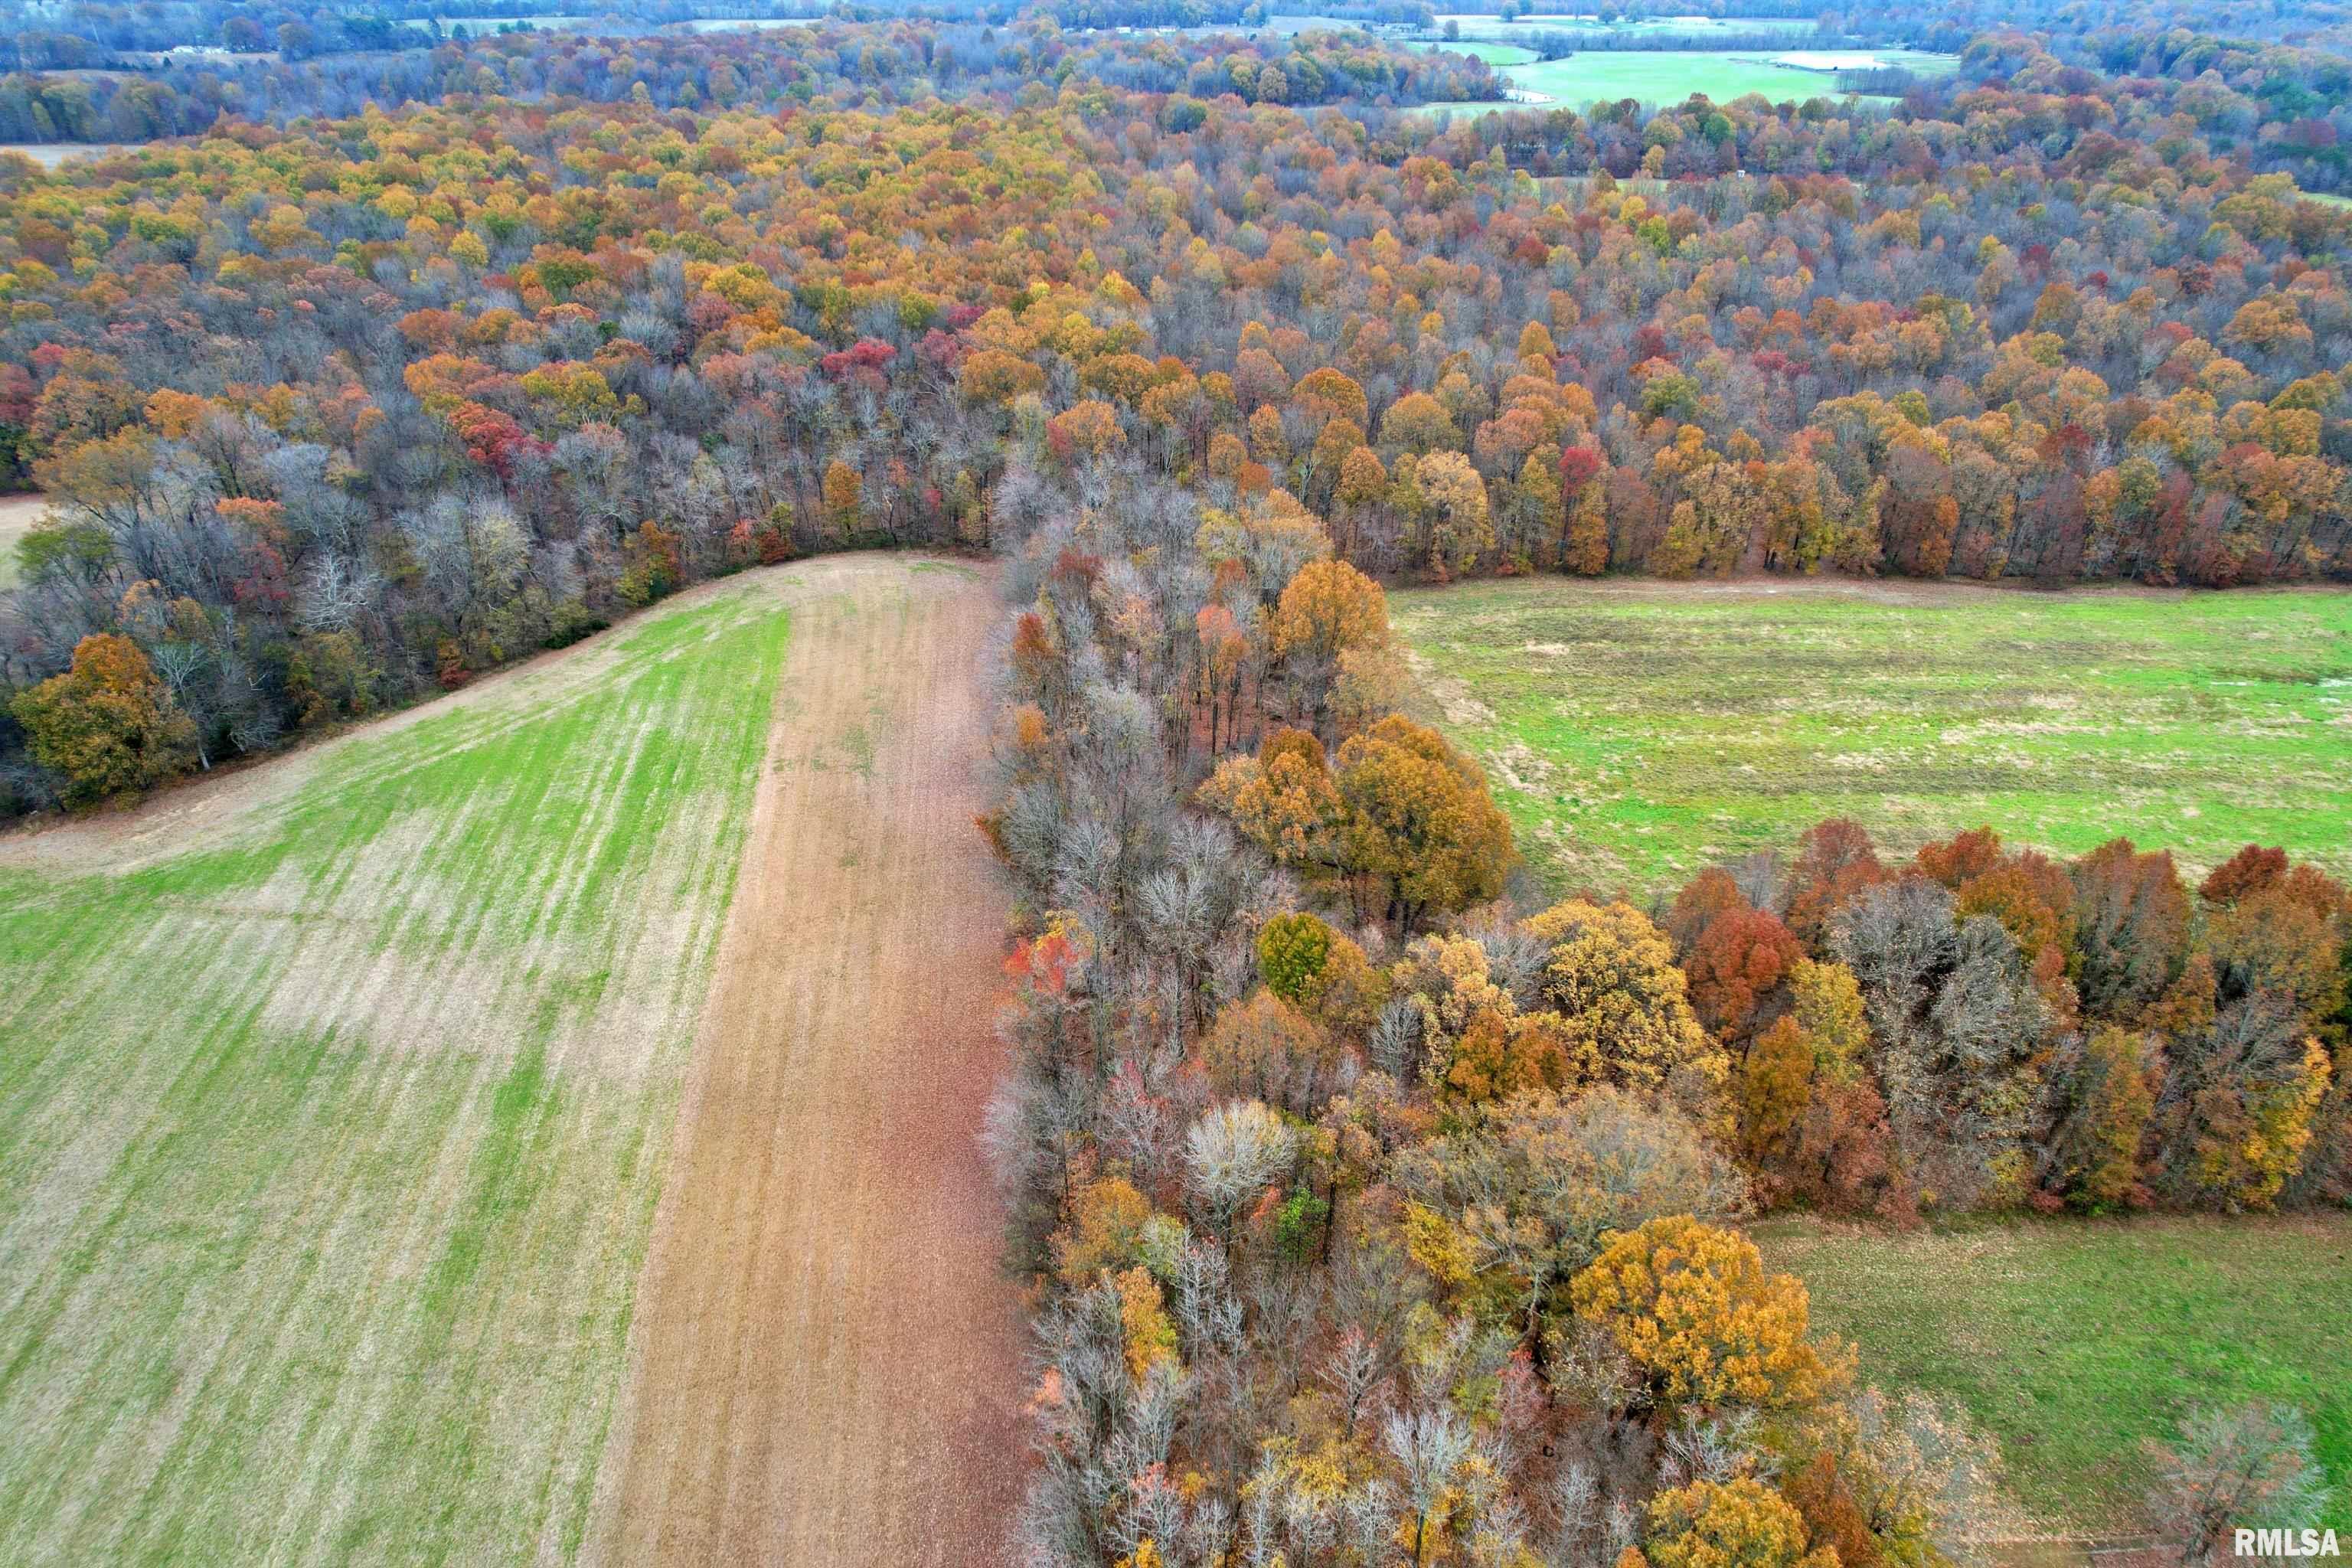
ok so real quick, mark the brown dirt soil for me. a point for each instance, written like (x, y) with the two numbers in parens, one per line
(825, 1356)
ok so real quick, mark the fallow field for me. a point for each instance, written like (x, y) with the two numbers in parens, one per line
(340, 1095)
(1637, 732)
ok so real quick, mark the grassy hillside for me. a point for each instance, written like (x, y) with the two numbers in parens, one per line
(1637, 732)
(2075, 1342)
(330, 1143)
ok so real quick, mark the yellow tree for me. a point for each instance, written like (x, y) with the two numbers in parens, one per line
(1461, 527)
(1738, 1523)
(1612, 977)
(1329, 610)
(841, 490)
(1692, 1306)
(1418, 821)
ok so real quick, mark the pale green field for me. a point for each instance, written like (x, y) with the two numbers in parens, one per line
(1637, 732)
(335, 1107)
(1492, 54)
(1668, 77)
(1665, 78)
(17, 515)
(1476, 24)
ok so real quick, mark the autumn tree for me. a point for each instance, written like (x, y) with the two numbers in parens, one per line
(107, 724)
(1461, 524)
(1417, 822)
(1738, 1523)
(1526, 1193)
(1329, 610)
(1692, 1307)
(1629, 1020)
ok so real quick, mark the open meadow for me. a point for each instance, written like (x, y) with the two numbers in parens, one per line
(341, 1094)
(2076, 1341)
(1671, 76)
(1638, 731)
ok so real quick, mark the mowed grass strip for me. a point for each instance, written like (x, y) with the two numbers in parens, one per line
(327, 1154)
(1639, 731)
(2075, 1342)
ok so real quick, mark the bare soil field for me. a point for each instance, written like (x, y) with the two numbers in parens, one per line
(826, 1354)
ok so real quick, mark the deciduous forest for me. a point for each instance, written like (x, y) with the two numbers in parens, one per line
(1372, 1201)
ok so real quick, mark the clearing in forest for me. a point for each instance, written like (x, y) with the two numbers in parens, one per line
(1670, 76)
(2075, 1341)
(1637, 732)
(337, 1097)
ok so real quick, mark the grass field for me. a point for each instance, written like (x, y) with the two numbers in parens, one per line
(335, 1100)
(1668, 77)
(1492, 54)
(1637, 732)
(2074, 1342)
(1473, 24)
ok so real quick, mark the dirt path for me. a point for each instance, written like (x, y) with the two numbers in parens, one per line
(825, 1355)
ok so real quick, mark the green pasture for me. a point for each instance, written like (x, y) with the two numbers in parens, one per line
(1669, 77)
(1639, 731)
(2077, 1343)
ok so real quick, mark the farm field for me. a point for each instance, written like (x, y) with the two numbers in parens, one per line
(1492, 54)
(1637, 732)
(2074, 1341)
(1473, 23)
(826, 1357)
(339, 1094)
(1668, 77)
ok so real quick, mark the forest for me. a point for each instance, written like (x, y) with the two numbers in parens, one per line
(1373, 1202)
(533, 361)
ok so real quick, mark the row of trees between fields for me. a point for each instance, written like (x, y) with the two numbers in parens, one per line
(1384, 1210)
